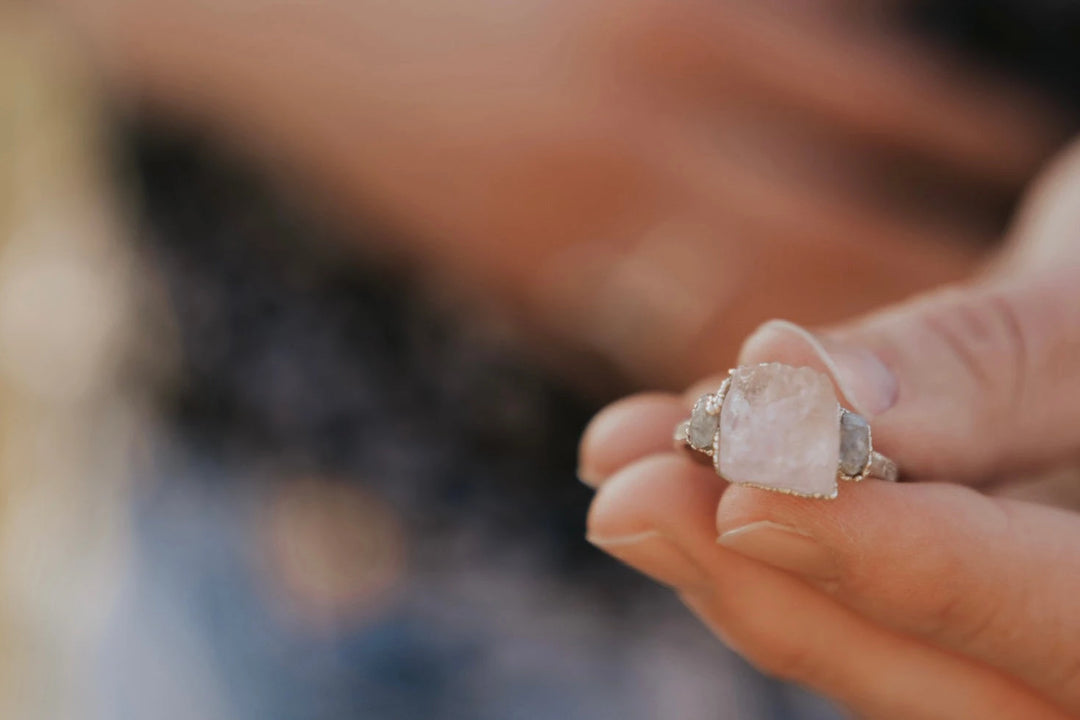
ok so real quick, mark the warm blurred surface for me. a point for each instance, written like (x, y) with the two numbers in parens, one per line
(354, 493)
(646, 180)
(66, 420)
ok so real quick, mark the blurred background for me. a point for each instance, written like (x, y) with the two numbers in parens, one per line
(303, 308)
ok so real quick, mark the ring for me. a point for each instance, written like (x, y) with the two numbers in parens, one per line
(781, 428)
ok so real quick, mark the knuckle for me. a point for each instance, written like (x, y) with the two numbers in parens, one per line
(962, 610)
(983, 332)
(1001, 359)
(1000, 313)
(1069, 674)
(963, 621)
(773, 649)
(929, 598)
(985, 335)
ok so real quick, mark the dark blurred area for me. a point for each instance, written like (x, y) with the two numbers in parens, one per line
(295, 354)
(1034, 41)
(416, 478)
(337, 493)
(295, 360)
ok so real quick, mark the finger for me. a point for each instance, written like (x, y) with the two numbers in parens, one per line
(779, 623)
(644, 493)
(993, 579)
(863, 83)
(793, 203)
(633, 428)
(625, 431)
(971, 381)
(1057, 487)
(962, 384)
(785, 180)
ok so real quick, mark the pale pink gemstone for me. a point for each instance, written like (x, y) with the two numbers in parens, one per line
(779, 428)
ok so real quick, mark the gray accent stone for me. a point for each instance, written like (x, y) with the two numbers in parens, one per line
(703, 427)
(854, 443)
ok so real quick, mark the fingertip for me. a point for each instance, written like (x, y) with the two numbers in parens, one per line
(625, 431)
(857, 374)
(621, 506)
(665, 493)
(783, 341)
(655, 515)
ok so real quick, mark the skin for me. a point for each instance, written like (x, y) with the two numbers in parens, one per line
(927, 599)
(622, 176)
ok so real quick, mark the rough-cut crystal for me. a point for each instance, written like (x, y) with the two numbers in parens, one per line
(703, 426)
(854, 443)
(779, 429)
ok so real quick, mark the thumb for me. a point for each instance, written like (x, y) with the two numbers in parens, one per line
(989, 579)
(975, 380)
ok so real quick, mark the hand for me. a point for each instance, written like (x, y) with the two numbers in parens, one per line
(910, 600)
(627, 175)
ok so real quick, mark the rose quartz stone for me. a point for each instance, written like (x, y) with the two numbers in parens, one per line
(780, 429)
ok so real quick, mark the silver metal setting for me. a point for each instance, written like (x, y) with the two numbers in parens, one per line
(877, 466)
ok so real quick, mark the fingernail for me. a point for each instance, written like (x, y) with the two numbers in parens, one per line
(655, 555)
(864, 380)
(782, 547)
(601, 432)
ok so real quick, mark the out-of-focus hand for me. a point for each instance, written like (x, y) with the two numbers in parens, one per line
(910, 600)
(650, 178)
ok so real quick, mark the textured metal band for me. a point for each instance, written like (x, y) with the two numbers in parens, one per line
(881, 468)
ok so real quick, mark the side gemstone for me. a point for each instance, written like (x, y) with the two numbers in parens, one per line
(854, 443)
(779, 430)
(703, 426)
